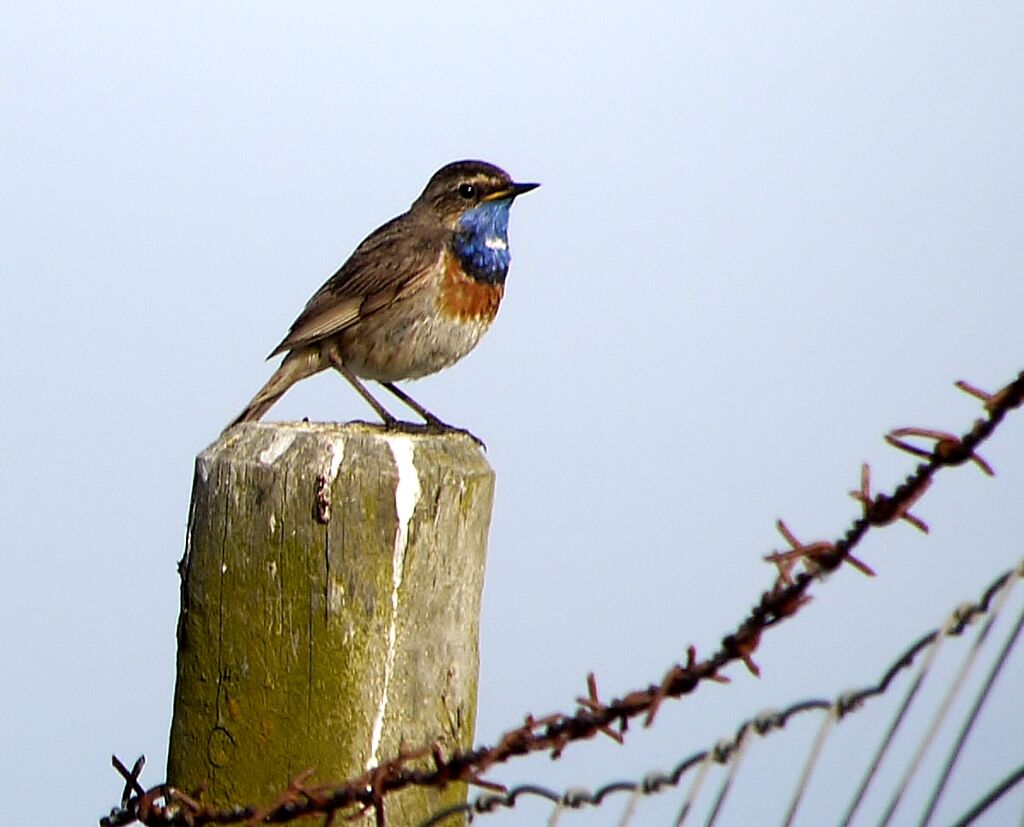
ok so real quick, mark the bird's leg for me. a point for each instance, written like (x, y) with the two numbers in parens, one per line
(433, 423)
(430, 419)
(337, 363)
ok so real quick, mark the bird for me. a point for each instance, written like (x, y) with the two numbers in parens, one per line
(414, 297)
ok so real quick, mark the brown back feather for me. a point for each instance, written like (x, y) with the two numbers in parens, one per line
(393, 260)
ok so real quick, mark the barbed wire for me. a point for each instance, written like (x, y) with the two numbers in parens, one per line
(797, 569)
(835, 710)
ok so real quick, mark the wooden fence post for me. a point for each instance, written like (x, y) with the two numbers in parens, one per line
(330, 602)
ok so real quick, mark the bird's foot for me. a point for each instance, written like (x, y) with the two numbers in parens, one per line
(434, 426)
(437, 426)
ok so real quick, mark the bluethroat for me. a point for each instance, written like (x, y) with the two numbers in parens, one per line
(415, 296)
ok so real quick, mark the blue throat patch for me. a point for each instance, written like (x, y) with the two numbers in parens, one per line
(481, 241)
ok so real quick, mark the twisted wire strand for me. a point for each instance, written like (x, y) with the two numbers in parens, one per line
(728, 750)
(695, 787)
(631, 805)
(947, 702)
(991, 797)
(972, 716)
(894, 726)
(955, 623)
(735, 760)
(812, 760)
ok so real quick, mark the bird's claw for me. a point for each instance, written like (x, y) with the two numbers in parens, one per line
(436, 426)
(433, 426)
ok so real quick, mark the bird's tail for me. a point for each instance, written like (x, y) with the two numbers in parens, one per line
(297, 365)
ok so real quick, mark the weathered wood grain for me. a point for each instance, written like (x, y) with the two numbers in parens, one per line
(329, 607)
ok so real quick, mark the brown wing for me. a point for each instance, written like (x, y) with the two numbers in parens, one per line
(391, 261)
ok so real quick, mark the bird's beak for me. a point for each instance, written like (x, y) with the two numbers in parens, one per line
(510, 192)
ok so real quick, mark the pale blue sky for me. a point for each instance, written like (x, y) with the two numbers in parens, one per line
(766, 235)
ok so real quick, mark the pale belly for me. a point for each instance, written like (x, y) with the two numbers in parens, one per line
(408, 340)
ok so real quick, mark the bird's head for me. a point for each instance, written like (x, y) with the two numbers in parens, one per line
(472, 200)
(465, 187)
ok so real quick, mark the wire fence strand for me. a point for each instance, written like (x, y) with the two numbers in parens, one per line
(798, 568)
(972, 717)
(838, 710)
(947, 702)
(812, 760)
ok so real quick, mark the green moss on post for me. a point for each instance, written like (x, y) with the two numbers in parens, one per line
(329, 608)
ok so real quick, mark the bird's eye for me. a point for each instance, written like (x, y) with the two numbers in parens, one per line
(467, 190)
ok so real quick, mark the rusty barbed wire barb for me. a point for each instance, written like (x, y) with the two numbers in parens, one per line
(881, 510)
(974, 391)
(593, 703)
(948, 447)
(670, 677)
(131, 777)
(807, 554)
(991, 401)
(742, 645)
(555, 732)
(190, 802)
(764, 723)
(295, 792)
